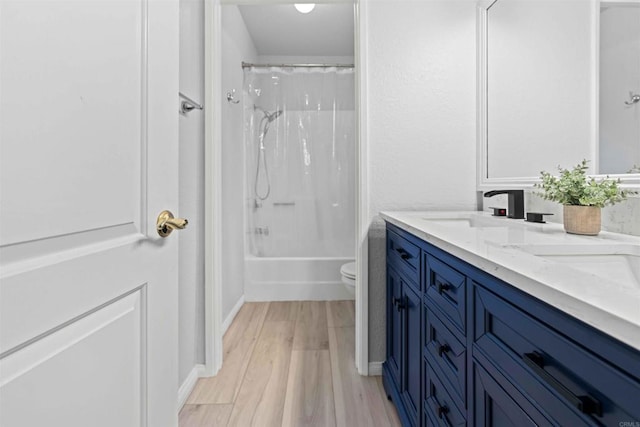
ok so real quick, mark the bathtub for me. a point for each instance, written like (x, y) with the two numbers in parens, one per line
(293, 279)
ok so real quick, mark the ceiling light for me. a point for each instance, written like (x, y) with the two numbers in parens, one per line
(305, 7)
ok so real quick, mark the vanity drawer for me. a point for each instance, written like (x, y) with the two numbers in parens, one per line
(447, 353)
(403, 255)
(446, 287)
(439, 406)
(570, 383)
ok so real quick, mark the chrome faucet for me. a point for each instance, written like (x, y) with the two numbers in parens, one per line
(516, 202)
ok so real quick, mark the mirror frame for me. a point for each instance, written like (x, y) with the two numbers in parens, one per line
(483, 181)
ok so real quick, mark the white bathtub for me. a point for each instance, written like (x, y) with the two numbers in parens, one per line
(292, 279)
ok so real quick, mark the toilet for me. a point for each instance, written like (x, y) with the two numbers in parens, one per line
(348, 273)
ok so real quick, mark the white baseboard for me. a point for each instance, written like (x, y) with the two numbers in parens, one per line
(189, 383)
(296, 291)
(375, 369)
(232, 315)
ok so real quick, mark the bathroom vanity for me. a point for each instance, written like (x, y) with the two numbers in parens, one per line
(494, 321)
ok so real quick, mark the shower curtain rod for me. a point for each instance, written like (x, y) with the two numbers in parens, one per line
(249, 65)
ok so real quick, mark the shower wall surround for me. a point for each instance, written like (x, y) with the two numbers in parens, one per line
(300, 161)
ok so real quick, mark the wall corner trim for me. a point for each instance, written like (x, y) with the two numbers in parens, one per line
(188, 385)
(232, 315)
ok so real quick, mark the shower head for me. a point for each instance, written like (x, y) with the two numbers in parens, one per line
(269, 116)
(274, 115)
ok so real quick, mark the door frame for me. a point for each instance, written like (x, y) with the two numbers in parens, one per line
(213, 182)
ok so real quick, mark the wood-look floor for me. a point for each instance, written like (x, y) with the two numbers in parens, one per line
(290, 364)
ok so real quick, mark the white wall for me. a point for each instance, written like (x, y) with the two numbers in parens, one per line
(236, 47)
(421, 95)
(421, 122)
(191, 261)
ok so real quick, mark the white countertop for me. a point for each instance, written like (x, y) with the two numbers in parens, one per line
(497, 246)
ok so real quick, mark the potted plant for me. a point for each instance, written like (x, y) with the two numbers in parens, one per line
(583, 197)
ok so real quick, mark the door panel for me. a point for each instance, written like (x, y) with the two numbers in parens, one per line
(88, 159)
(59, 369)
(73, 131)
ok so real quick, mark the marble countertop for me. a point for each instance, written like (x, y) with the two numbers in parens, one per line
(506, 248)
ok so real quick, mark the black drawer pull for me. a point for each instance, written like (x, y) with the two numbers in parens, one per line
(398, 302)
(442, 287)
(403, 254)
(585, 404)
(442, 411)
(443, 349)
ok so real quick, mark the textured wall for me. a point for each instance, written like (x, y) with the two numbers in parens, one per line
(421, 124)
(421, 95)
(191, 256)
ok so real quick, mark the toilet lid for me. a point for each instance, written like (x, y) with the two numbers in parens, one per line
(348, 270)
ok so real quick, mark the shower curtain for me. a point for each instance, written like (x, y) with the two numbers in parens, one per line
(300, 161)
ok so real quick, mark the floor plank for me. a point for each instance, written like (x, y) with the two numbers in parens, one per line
(283, 311)
(311, 327)
(260, 401)
(358, 401)
(392, 413)
(290, 363)
(341, 313)
(309, 399)
(238, 343)
(205, 415)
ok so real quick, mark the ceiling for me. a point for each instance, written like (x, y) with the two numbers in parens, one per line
(279, 29)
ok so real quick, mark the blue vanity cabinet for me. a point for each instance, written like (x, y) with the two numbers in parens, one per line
(413, 354)
(573, 374)
(394, 325)
(445, 336)
(465, 348)
(402, 369)
(498, 406)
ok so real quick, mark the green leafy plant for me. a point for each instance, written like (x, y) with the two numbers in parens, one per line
(574, 187)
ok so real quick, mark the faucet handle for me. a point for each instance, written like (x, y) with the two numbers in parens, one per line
(536, 217)
(498, 211)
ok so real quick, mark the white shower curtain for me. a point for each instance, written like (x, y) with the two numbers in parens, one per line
(300, 185)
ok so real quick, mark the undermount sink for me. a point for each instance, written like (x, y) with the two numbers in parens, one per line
(471, 221)
(618, 262)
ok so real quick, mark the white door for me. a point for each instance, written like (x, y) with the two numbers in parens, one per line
(88, 159)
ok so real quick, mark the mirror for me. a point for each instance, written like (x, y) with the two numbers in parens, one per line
(553, 80)
(619, 132)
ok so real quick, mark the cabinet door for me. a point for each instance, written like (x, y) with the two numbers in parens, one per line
(412, 351)
(495, 406)
(394, 324)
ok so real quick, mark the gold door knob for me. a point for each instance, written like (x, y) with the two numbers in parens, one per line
(166, 223)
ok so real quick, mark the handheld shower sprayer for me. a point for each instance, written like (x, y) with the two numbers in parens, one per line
(263, 129)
